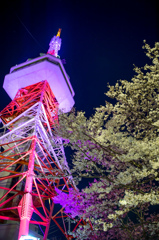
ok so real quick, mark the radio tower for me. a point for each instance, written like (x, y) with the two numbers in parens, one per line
(32, 158)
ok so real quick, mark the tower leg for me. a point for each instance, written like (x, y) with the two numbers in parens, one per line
(49, 220)
(26, 204)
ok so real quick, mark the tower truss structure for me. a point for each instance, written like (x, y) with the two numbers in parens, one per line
(32, 158)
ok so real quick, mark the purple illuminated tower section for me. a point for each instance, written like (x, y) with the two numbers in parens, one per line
(32, 158)
(47, 67)
(55, 44)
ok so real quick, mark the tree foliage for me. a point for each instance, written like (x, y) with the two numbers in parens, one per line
(119, 148)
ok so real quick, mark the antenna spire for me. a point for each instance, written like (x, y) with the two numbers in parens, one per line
(55, 44)
(58, 33)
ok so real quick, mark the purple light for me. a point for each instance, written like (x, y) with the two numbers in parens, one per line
(55, 44)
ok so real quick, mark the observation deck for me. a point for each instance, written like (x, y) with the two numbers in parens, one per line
(46, 67)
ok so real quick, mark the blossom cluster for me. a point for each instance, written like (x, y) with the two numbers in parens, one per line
(118, 148)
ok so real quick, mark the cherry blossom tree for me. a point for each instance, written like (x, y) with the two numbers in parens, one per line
(117, 147)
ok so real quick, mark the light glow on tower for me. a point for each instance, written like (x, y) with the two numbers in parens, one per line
(28, 238)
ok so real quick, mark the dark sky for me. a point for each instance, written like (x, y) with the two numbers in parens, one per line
(101, 40)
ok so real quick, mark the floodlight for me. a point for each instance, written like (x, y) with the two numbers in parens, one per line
(28, 238)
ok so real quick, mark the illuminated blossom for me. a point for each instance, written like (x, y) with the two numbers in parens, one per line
(118, 148)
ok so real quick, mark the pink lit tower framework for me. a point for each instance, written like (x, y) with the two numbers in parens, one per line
(32, 158)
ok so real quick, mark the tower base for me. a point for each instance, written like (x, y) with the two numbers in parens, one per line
(11, 230)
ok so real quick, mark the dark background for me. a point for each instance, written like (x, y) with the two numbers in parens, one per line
(101, 40)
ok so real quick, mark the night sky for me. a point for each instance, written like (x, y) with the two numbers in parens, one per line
(101, 40)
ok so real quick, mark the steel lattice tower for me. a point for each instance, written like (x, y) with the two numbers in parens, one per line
(32, 158)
